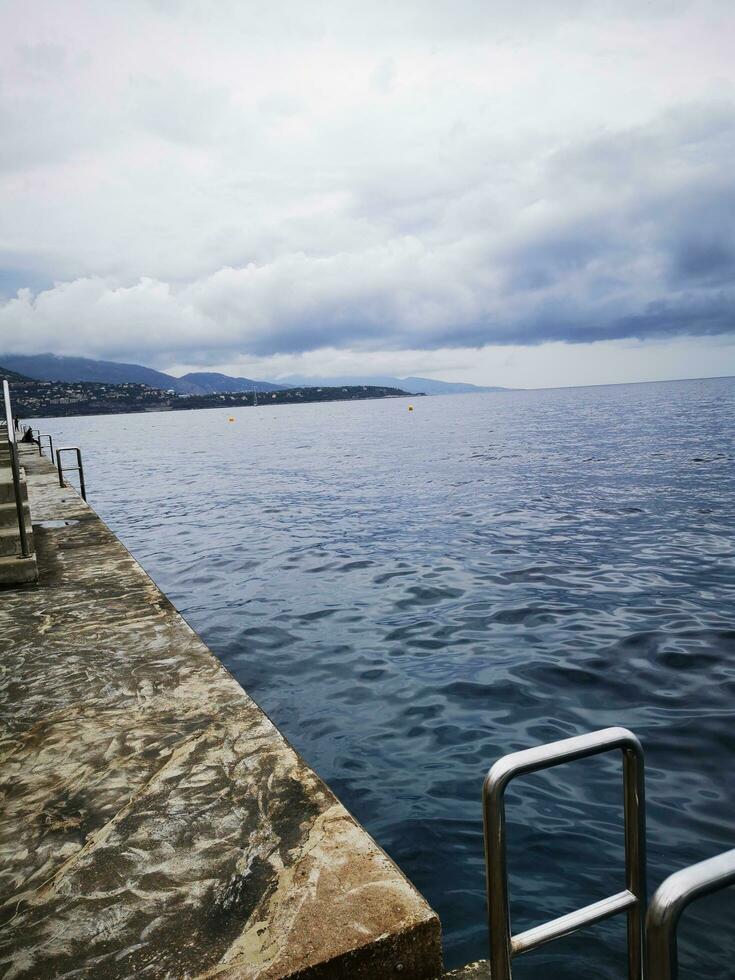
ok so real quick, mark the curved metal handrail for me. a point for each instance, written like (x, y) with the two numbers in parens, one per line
(671, 898)
(632, 901)
(79, 468)
(41, 437)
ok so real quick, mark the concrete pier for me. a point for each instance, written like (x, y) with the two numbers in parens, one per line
(154, 821)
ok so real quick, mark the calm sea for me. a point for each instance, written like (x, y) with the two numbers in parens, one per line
(410, 595)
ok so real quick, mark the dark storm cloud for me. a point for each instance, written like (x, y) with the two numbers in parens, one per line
(626, 236)
(365, 177)
(634, 239)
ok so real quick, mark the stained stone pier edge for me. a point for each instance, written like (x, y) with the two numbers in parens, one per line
(155, 823)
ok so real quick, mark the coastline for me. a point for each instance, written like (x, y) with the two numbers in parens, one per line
(50, 408)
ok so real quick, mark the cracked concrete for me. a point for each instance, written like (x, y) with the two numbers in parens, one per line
(155, 823)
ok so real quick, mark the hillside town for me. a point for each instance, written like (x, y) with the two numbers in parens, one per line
(47, 399)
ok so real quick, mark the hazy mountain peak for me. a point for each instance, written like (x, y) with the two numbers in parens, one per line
(429, 386)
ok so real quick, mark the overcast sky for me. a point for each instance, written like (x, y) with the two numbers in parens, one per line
(525, 192)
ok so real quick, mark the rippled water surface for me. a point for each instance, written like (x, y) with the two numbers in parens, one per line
(411, 595)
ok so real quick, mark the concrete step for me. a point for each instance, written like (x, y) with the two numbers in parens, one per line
(5, 451)
(21, 446)
(10, 541)
(18, 571)
(7, 491)
(9, 515)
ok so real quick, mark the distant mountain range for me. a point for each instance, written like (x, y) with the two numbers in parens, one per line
(427, 385)
(6, 375)
(210, 383)
(54, 367)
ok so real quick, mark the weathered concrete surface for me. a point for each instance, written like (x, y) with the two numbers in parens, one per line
(154, 822)
(473, 971)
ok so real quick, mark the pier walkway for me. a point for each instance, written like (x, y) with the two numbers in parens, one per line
(154, 821)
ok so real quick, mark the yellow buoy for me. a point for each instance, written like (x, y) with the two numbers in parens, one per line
(410, 408)
(231, 418)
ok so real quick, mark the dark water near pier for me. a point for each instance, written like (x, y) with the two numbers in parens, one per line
(411, 595)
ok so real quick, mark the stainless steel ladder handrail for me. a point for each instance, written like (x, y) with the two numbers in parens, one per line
(76, 469)
(671, 898)
(25, 550)
(503, 944)
(50, 445)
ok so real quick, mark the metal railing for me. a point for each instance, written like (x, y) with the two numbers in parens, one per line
(50, 445)
(15, 470)
(668, 903)
(503, 944)
(76, 469)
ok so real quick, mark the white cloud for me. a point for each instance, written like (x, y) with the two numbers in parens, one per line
(267, 180)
